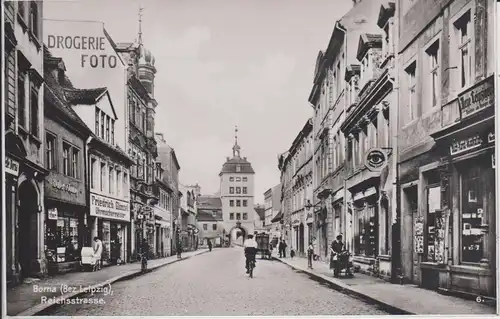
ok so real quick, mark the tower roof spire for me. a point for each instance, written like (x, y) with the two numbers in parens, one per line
(140, 25)
(236, 147)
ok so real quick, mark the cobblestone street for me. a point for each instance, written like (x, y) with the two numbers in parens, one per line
(216, 284)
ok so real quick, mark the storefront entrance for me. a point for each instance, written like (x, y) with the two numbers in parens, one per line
(27, 228)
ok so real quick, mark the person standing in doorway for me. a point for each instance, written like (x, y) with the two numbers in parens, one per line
(209, 245)
(98, 252)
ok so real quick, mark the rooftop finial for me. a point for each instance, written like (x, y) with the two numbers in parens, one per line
(236, 135)
(140, 24)
(236, 147)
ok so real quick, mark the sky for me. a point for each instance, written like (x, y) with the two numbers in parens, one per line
(221, 64)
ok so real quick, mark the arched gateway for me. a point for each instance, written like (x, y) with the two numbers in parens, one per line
(237, 234)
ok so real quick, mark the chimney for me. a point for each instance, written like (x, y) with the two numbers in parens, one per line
(227, 159)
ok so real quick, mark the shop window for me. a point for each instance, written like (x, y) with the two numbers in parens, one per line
(214, 227)
(245, 203)
(231, 216)
(231, 203)
(238, 190)
(245, 216)
(472, 215)
(238, 203)
(366, 239)
(205, 227)
(62, 238)
(50, 149)
(435, 230)
(21, 100)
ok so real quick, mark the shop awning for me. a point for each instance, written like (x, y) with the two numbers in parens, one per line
(278, 217)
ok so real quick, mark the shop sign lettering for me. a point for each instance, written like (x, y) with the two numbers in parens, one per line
(477, 98)
(63, 187)
(52, 213)
(84, 43)
(11, 166)
(461, 146)
(109, 208)
(491, 137)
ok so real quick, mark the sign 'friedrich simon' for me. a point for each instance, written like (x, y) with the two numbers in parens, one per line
(104, 207)
(84, 43)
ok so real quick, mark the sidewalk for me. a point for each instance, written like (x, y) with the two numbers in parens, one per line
(25, 299)
(403, 298)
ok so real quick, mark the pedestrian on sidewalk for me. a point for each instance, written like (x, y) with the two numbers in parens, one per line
(209, 245)
(280, 248)
(310, 253)
(98, 252)
(179, 249)
(284, 248)
(336, 248)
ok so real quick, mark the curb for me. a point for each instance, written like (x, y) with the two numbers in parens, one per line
(38, 309)
(346, 289)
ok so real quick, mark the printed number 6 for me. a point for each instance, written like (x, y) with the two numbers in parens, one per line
(479, 299)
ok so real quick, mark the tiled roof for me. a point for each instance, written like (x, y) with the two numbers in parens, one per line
(261, 211)
(84, 96)
(206, 215)
(231, 165)
(209, 202)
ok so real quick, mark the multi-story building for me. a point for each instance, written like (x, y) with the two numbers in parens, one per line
(210, 221)
(168, 161)
(163, 214)
(273, 212)
(237, 195)
(188, 226)
(366, 128)
(301, 153)
(66, 229)
(268, 210)
(284, 217)
(259, 218)
(330, 97)
(24, 140)
(446, 144)
(98, 95)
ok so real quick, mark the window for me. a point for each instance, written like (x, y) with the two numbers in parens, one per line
(231, 216)
(244, 190)
(238, 203)
(473, 203)
(107, 128)
(143, 118)
(50, 150)
(434, 82)
(97, 116)
(205, 227)
(338, 82)
(238, 190)
(245, 203)
(113, 132)
(238, 168)
(245, 216)
(245, 179)
(231, 203)
(238, 216)
(102, 125)
(463, 31)
(63, 233)
(34, 111)
(103, 176)
(21, 100)
(231, 190)
(131, 108)
(119, 182)
(214, 227)
(74, 162)
(433, 222)
(125, 185)
(238, 179)
(412, 94)
(231, 179)
(111, 180)
(66, 150)
(21, 8)
(33, 20)
(93, 172)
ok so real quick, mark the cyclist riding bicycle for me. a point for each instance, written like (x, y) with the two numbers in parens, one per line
(250, 251)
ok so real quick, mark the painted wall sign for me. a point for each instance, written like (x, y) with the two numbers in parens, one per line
(460, 146)
(52, 213)
(62, 187)
(85, 43)
(68, 188)
(375, 160)
(109, 208)
(477, 98)
(11, 166)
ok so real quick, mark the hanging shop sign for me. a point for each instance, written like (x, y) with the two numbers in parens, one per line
(11, 166)
(419, 235)
(477, 98)
(52, 213)
(461, 146)
(375, 160)
(109, 208)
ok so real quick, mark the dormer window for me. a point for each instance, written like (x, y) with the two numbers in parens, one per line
(238, 168)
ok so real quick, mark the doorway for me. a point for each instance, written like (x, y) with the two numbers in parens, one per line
(27, 228)
(301, 239)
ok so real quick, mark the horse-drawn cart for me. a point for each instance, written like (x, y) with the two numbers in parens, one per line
(262, 240)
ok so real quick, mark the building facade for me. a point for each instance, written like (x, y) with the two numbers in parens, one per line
(66, 225)
(237, 196)
(285, 216)
(210, 221)
(188, 224)
(446, 144)
(274, 214)
(24, 140)
(168, 161)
